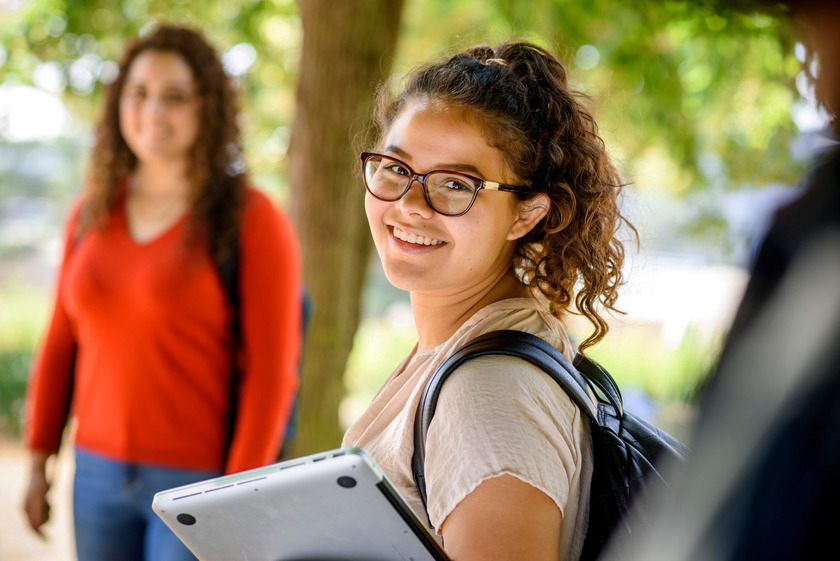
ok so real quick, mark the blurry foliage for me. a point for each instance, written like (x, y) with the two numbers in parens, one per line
(45, 167)
(688, 94)
(689, 77)
(22, 315)
(684, 78)
(667, 373)
(72, 47)
(37, 182)
(382, 342)
(14, 364)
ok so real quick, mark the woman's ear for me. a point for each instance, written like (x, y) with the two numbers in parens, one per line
(530, 212)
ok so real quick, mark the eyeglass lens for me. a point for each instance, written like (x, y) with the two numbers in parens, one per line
(448, 192)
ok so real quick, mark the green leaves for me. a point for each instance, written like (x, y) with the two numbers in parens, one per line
(677, 80)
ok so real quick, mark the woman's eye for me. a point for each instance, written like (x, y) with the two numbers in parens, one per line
(397, 169)
(456, 184)
(174, 98)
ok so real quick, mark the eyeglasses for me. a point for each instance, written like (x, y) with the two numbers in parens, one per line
(449, 193)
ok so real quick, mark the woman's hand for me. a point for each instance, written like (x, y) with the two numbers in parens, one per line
(35, 505)
(503, 519)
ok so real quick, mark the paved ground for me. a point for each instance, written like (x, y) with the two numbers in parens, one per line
(17, 541)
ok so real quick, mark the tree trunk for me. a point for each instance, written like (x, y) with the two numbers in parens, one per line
(348, 47)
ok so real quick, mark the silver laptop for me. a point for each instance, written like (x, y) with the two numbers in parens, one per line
(332, 506)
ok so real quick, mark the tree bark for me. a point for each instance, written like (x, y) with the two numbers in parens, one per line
(348, 47)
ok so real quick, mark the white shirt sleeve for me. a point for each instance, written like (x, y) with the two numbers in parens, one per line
(501, 415)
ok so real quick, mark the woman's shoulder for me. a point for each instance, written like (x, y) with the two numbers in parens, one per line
(260, 206)
(257, 200)
(507, 375)
(265, 227)
(519, 314)
(74, 211)
(483, 380)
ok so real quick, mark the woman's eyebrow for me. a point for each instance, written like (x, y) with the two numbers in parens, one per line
(464, 168)
(177, 84)
(396, 150)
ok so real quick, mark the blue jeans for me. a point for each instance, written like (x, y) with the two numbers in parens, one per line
(112, 510)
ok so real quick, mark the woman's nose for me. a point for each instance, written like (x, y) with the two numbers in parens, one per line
(414, 201)
(159, 106)
(155, 105)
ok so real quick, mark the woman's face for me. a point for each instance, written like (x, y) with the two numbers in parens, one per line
(159, 107)
(424, 251)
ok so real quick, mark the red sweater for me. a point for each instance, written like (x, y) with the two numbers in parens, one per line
(146, 327)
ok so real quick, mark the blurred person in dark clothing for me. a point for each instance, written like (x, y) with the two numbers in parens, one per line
(763, 479)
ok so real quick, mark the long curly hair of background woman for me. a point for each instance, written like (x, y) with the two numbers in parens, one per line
(216, 166)
(519, 94)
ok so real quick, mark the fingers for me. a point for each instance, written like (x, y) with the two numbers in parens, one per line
(35, 505)
(37, 517)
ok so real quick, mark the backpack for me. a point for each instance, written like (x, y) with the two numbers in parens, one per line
(627, 450)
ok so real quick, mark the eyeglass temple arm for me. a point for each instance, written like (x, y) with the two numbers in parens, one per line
(493, 186)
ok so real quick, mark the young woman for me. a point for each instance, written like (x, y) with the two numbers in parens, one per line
(491, 199)
(144, 343)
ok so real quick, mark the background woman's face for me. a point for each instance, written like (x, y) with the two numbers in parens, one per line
(159, 107)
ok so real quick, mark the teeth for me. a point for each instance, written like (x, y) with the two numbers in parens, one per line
(412, 238)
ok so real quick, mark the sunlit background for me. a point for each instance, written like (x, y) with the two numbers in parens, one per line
(708, 115)
(696, 107)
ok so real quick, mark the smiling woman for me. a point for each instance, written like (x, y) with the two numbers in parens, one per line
(475, 249)
(491, 200)
(172, 373)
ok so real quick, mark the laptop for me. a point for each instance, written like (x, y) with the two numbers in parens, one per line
(331, 506)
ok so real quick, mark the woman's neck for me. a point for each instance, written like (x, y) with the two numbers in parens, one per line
(438, 317)
(160, 182)
(157, 197)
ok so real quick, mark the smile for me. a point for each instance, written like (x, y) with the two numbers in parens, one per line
(412, 238)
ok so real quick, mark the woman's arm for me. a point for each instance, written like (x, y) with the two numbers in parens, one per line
(503, 519)
(49, 392)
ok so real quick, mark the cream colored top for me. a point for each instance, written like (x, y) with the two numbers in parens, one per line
(495, 416)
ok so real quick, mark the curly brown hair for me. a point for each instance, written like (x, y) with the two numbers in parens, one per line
(518, 93)
(216, 170)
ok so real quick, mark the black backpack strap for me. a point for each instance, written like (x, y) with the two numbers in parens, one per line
(507, 343)
(599, 378)
(228, 269)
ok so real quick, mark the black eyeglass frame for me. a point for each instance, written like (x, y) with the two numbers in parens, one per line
(421, 179)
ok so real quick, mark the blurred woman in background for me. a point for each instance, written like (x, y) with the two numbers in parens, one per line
(171, 373)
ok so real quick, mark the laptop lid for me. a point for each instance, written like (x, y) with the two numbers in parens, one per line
(335, 505)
